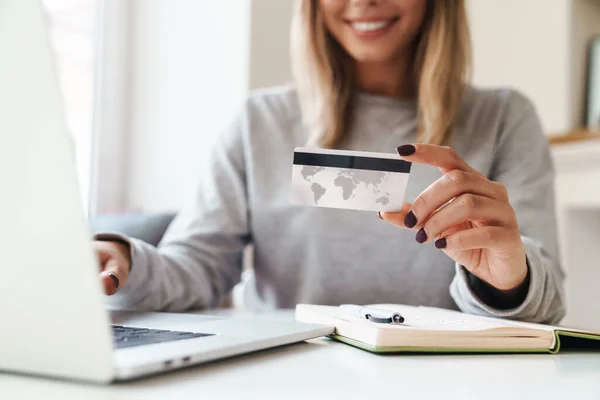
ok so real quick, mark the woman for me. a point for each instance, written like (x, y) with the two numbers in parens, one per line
(371, 75)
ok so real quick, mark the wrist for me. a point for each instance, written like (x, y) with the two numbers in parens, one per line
(502, 299)
(519, 281)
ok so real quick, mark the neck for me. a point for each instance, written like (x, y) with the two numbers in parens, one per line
(393, 78)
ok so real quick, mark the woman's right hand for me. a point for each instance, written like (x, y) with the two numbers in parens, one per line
(115, 262)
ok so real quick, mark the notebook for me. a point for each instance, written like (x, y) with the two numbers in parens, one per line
(428, 329)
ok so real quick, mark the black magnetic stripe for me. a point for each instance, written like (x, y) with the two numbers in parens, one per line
(352, 162)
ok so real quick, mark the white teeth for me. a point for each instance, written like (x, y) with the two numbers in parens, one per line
(369, 26)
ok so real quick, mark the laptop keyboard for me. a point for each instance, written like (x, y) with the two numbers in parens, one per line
(126, 336)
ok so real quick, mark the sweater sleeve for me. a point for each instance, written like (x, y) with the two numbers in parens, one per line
(200, 257)
(524, 165)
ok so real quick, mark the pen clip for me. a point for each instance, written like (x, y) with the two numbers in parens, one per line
(394, 319)
(373, 314)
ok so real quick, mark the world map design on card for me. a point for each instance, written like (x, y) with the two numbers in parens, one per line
(349, 180)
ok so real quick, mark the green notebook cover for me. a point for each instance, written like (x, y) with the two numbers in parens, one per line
(565, 340)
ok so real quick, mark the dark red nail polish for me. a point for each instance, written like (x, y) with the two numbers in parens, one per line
(441, 243)
(115, 279)
(421, 236)
(410, 220)
(406, 150)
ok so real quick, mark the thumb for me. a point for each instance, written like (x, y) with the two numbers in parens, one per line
(397, 218)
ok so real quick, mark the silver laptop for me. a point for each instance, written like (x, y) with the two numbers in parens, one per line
(53, 320)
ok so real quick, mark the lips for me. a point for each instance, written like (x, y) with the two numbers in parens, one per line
(371, 25)
(372, 28)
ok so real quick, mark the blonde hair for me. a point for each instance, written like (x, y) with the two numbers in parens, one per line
(325, 83)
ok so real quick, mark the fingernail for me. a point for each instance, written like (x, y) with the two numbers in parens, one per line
(421, 236)
(440, 243)
(406, 150)
(114, 278)
(379, 215)
(410, 220)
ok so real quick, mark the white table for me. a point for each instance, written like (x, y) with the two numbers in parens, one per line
(322, 368)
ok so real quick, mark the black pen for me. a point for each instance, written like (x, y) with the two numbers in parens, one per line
(373, 314)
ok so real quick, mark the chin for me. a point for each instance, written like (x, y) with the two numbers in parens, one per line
(368, 57)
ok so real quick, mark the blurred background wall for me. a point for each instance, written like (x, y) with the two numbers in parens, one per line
(188, 75)
(190, 66)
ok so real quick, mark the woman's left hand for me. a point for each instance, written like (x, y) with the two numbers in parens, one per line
(466, 215)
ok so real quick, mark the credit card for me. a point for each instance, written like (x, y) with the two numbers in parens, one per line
(354, 180)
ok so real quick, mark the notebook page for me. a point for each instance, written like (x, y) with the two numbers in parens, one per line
(431, 318)
(427, 328)
(424, 319)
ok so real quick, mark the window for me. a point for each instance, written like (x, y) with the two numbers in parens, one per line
(72, 28)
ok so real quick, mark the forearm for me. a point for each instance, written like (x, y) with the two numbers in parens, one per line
(177, 277)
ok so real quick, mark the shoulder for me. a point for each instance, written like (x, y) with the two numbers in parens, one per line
(504, 106)
(263, 110)
(266, 118)
(501, 94)
(508, 119)
(498, 125)
(280, 103)
(500, 115)
(272, 116)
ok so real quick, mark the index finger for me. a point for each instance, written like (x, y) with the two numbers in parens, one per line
(443, 157)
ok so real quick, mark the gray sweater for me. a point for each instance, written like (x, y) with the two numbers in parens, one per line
(331, 256)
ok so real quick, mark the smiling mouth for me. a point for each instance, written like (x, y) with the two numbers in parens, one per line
(372, 26)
